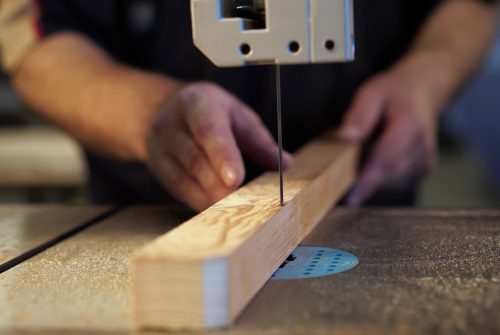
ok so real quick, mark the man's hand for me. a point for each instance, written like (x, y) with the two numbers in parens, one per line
(401, 102)
(196, 143)
(406, 99)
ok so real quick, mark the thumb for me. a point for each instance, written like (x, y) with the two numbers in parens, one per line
(255, 140)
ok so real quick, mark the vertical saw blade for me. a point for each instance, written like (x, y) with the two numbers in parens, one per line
(280, 129)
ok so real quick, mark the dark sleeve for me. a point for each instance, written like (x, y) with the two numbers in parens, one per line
(95, 19)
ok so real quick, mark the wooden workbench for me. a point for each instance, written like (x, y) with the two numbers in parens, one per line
(420, 272)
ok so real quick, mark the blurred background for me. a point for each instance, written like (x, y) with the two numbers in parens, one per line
(39, 163)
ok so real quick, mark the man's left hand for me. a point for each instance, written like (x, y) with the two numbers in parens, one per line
(402, 102)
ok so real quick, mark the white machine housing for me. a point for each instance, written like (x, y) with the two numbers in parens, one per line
(295, 32)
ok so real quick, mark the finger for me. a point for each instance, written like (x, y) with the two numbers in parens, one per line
(255, 140)
(391, 158)
(172, 177)
(196, 164)
(211, 128)
(405, 172)
(366, 186)
(364, 114)
(181, 186)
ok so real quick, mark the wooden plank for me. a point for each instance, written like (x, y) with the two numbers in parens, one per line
(202, 274)
(23, 227)
(81, 285)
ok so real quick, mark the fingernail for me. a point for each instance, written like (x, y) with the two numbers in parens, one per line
(229, 175)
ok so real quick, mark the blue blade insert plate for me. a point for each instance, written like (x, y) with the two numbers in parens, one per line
(312, 262)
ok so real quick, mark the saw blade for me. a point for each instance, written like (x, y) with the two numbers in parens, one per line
(280, 130)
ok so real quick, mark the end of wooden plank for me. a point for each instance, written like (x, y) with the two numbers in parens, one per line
(179, 296)
(202, 274)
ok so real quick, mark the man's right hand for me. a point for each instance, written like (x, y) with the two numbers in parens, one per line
(196, 143)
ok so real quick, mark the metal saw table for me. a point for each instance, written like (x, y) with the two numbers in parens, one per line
(420, 272)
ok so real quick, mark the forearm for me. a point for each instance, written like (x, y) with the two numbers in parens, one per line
(106, 106)
(450, 47)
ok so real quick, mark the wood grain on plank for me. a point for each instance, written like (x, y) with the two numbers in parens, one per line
(202, 274)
